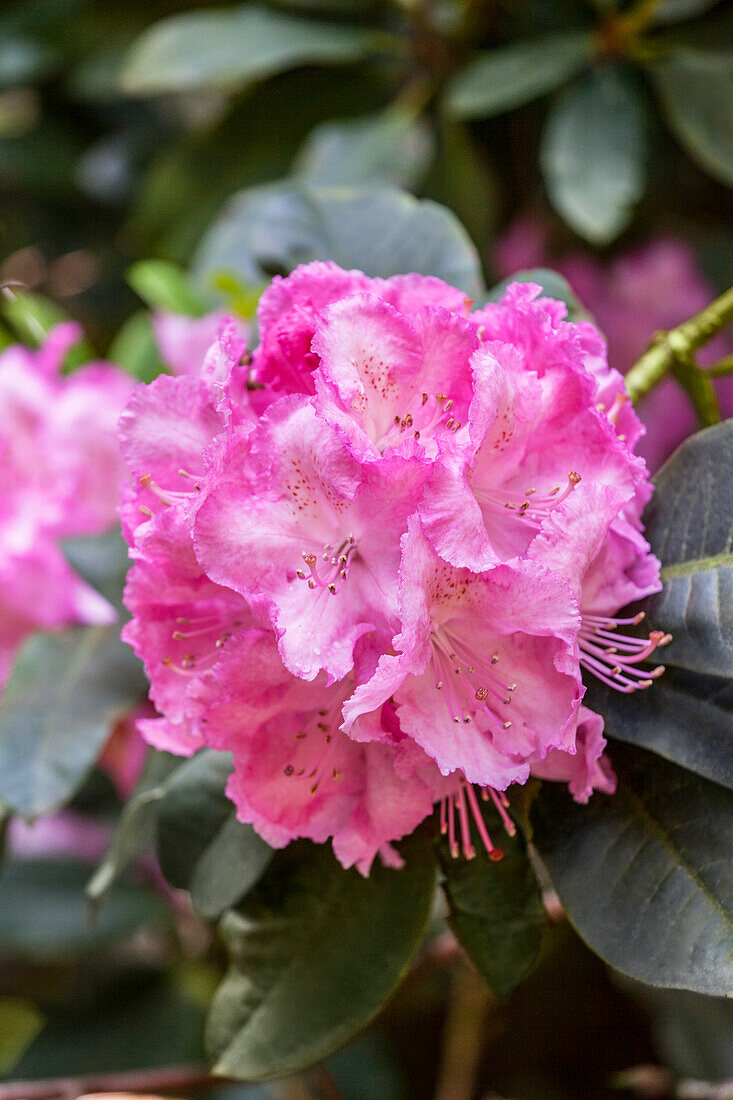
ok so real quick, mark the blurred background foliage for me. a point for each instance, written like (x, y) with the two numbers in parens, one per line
(125, 130)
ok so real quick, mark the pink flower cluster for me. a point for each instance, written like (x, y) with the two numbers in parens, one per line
(60, 457)
(372, 559)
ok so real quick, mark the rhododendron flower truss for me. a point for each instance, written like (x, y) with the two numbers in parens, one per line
(374, 557)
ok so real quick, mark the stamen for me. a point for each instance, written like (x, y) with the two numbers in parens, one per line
(615, 665)
(465, 803)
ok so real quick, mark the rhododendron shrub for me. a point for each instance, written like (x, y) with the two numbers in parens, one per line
(374, 557)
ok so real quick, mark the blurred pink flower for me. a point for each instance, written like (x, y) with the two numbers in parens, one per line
(649, 288)
(60, 457)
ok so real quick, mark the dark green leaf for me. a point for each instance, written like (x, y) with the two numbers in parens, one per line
(689, 523)
(134, 832)
(64, 695)
(227, 49)
(593, 152)
(553, 286)
(316, 951)
(43, 913)
(698, 101)
(201, 846)
(130, 1025)
(267, 230)
(163, 285)
(501, 79)
(20, 1022)
(495, 908)
(645, 875)
(391, 148)
(136, 826)
(685, 717)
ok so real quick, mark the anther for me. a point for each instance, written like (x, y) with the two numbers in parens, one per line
(288, 769)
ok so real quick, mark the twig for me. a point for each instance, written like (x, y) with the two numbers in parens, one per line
(463, 1035)
(678, 345)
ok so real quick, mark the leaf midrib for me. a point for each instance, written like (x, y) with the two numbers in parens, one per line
(657, 830)
(695, 565)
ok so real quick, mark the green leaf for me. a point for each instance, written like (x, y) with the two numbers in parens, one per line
(685, 717)
(592, 154)
(553, 286)
(201, 846)
(391, 148)
(269, 230)
(495, 909)
(671, 11)
(65, 693)
(689, 523)
(135, 348)
(315, 953)
(227, 49)
(645, 875)
(20, 1022)
(43, 913)
(698, 101)
(163, 285)
(500, 79)
(32, 316)
(134, 832)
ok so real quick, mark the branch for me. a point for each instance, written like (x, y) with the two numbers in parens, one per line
(678, 345)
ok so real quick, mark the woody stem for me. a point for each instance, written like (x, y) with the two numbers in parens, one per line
(678, 345)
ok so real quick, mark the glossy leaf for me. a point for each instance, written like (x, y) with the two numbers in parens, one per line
(645, 875)
(391, 148)
(200, 844)
(593, 152)
(685, 717)
(698, 100)
(227, 49)
(267, 230)
(689, 523)
(500, 79)
(64, 695)
(315, 953)
(495, 908)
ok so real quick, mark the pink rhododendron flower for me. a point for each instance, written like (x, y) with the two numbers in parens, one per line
(59, 451)
(373, 558)
(644, 290)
